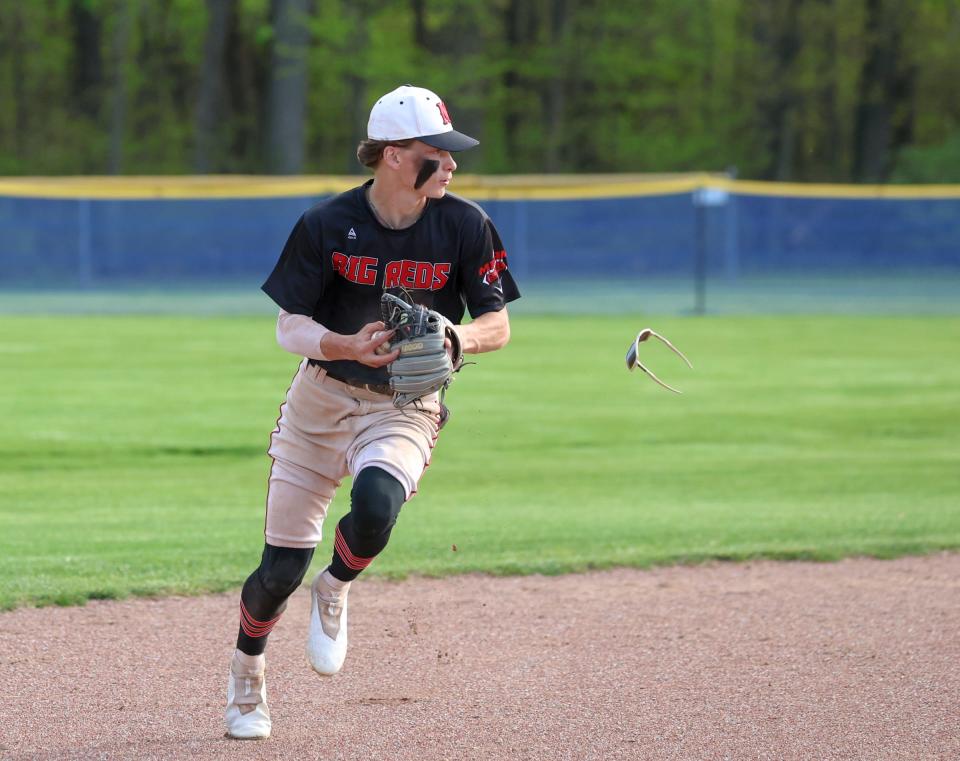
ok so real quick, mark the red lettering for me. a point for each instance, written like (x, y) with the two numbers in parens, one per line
(407, 273)
(424, 276)
(340, 263)
(391, 276)
(441, 274)
(354, 275)
(490, 272)
(368, 270)
(356, 269)
(421, 276)
(443, 112)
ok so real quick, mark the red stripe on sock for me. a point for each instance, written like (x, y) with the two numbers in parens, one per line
(252, 627)
(255, 622)
(253, 630)
(350, 560)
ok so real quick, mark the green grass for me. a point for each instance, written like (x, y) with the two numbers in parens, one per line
(132, 449)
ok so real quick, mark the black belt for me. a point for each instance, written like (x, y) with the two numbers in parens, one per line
(377, 388)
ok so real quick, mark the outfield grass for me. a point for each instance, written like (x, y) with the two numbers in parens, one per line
(133, 449)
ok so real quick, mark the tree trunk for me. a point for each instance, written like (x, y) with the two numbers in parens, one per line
(211, 101)
(556, 91)
(122, 34)
(18, 60)
(87, 69)
(358, 103)
(513, 29)
(775, 36)
(884, 116)
(287, 96)
(246, 84)
(786, 107)
(421, 37)
(834, 164)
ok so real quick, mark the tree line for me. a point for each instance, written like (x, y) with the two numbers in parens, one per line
(799, 90)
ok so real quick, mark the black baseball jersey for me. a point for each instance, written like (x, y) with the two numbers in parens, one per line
(339, 259)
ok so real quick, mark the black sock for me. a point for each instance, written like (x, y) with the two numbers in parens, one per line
(375, 502)
(264, 595)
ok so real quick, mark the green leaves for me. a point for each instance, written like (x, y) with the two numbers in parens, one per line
(773, 87)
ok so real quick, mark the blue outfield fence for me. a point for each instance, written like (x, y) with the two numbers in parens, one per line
(90, 242)
(696, 243)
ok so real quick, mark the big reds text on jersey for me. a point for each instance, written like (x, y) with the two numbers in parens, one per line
(404, 273)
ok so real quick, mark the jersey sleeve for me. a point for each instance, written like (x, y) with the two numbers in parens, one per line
(297, 281)
(486, 280)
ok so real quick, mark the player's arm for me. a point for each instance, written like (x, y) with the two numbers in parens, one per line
(301, 335)
(487, 287)
(488, 332)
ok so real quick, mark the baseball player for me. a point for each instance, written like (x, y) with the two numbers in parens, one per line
(399, 232)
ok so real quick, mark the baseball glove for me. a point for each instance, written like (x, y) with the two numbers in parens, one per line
(423, 366)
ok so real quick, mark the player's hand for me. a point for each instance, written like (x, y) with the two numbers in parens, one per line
(369, 346)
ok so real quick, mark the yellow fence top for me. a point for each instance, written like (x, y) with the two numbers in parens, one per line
(479, 187)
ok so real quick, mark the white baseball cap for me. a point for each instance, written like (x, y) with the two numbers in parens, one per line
(413, 112)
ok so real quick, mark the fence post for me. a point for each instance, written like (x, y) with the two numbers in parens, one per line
(704, 198)
(731, 238)
(700, 255)
(84, 253)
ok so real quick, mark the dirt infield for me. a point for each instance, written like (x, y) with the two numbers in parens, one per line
(852, 660)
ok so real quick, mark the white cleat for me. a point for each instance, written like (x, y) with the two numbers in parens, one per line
(247, 716)
(327, 637)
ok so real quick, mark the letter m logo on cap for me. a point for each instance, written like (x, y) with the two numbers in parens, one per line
(443, 112)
